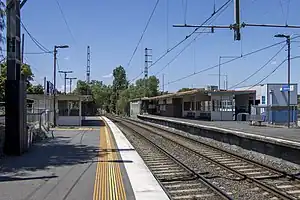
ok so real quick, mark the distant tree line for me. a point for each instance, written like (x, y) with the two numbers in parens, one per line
(115, 98)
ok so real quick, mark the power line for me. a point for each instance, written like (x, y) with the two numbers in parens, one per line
(187, 37)
(143, 33)
(246, 79)
(176, 56)
(192, 41)
(59, 69)
(65, 20)
(34, 53)
(273, 71)
(229, 61)
(36, 42)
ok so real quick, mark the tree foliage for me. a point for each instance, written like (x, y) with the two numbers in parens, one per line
(185, 89)
(115, 98)
(82, 88)
(25, 71)
(35, 89)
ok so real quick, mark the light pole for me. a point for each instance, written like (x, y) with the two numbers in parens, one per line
(288, 41)
(71, 80)
(54, 79)
(226, 80)
(220, 57)
(65, 78)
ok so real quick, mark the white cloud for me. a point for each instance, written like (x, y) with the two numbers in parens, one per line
(274, 62)
(107, 76)
(67, 58)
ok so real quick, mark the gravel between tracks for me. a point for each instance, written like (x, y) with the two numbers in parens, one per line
(238, 189)
(277, 163)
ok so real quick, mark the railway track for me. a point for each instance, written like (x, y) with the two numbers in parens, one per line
(178, 180)
(269, 182)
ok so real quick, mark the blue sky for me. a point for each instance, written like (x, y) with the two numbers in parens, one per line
(113, 27)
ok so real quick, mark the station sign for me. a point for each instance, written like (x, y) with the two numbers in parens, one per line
(286, 88)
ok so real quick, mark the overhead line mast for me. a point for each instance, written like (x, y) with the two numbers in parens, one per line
(88, 66)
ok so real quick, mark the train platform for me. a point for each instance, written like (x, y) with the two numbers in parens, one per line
(275, 141)
(95, 162)
(283, 134)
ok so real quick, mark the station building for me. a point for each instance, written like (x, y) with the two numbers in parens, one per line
(70, 107)
(204, 103)
(272, 102)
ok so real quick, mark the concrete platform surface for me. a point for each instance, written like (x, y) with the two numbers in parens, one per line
(79, 164)
(62, 168)
(292, 134)
(143, 183)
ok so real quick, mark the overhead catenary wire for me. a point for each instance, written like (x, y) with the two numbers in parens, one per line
(143, 33)
(34, 53)
(184, 8)
(57, 63)
(258, 70)
(226, 62)
(192, 41)
(273, 71)
(183, 40)
(36, 42)
(65, 20)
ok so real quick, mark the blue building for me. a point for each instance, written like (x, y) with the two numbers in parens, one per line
(272, 99)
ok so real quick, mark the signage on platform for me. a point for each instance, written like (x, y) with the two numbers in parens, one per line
(286, 88)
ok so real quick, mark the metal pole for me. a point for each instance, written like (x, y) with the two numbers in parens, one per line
(45, 92)
(65, 89)
(54, 82)
(289, 79)
(226, 76)
(220, 72)
(163, 82)
(23, 41)
(70, 85)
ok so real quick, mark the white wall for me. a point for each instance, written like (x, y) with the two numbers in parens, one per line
(69, 121)
(222, 116)
(218, 115)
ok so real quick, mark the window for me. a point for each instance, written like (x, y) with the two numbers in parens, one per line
(215, 105)
(186, 106)
(63, 108)
(263, 99)
(198, 105)
(68, 108)
(193, 105)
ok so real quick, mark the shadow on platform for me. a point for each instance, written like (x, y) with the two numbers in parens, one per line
(11, 178)
(50, 154)
(92, 122)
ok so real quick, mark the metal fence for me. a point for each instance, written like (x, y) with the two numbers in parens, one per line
(274, 115)
(40, 118)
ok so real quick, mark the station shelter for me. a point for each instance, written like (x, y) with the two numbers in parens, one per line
(203, 104)
(69, 107)
(272, 102)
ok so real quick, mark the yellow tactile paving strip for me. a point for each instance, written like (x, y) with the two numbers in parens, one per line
(108, 182)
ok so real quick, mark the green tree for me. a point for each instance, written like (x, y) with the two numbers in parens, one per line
(137, 91)
(120, 80)
(83, 88)
(35, 89)
(120, 83)
(152, 85)
(2, 22)
(184, 89)
(25, 70)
